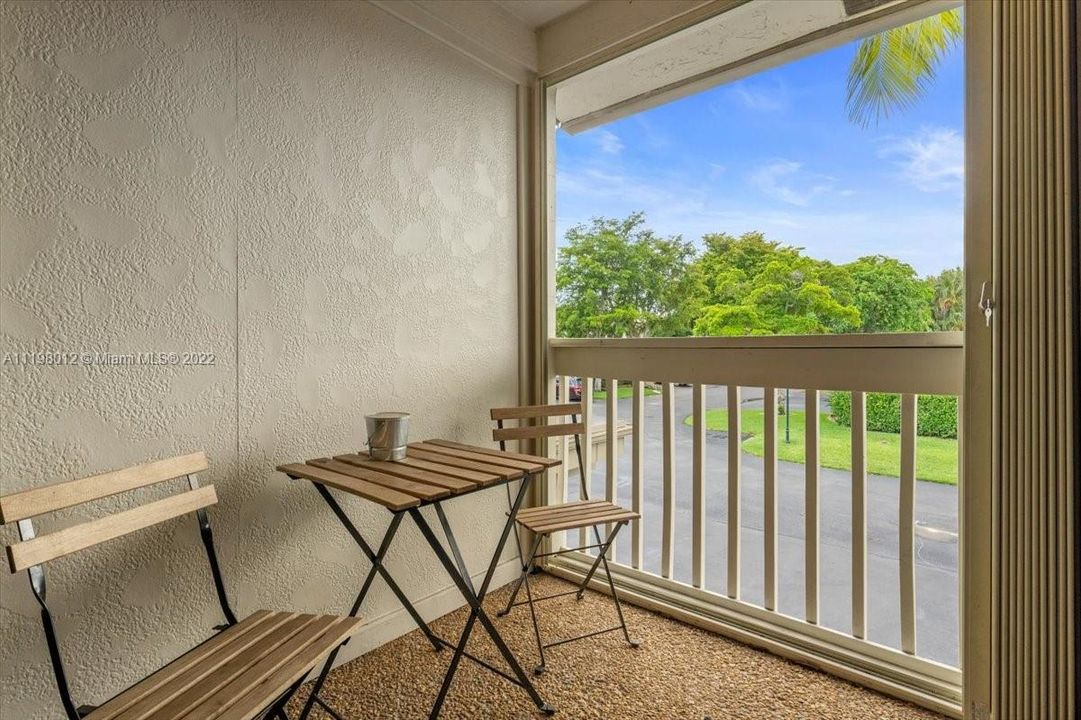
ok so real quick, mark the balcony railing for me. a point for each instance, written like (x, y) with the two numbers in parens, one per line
(909, 365)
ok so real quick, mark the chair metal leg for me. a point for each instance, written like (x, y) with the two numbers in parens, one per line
(318, 686)
(277, 710)
(514, 592)
(600, 560)
(596, 563)
(612, 587)
(540, 668)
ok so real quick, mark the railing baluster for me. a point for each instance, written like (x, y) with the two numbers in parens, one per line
(906, 525)
(638, 445)
(586, 471)
(734, 514)
(810, 540)
(698, 491)
(668, 522)
(859, 516)
(769, 525)
(565, 445)
(611, 456)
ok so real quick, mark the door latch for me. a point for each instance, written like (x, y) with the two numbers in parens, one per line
(986, 303)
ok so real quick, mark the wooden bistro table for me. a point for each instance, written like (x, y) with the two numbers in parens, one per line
(432, 472)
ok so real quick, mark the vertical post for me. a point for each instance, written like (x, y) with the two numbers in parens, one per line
(787, 416)
(566, 453)
(637, 456)
(586, 471)
(859, 515)
(810, 540)
(668, 513)
(769, 525)
(698, 490)
(734, 514)
(906, 525)
(611, 456)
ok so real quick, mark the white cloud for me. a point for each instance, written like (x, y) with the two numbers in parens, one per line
(755, 97)
(608, 142)
(933, 160)
(785, 180)
(925, 236)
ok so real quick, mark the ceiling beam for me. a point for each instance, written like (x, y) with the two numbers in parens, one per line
(600, 31)
(482, 31)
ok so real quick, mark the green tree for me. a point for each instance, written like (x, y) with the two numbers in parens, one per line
(892, 70)
(889, 295)
(753, 286)
(617, 278)
(948, 299)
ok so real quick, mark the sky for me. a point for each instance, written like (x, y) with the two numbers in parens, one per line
(775, 152)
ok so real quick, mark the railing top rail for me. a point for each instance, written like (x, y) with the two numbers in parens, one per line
(923, 363)
(860, 340)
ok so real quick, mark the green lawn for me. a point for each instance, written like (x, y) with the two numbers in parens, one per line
(625, 391)
(936, 458)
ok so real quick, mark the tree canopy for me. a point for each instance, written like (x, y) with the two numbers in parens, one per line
(948, 299)
(617, 278)
(757, 287)
(892, 69)
(890, 296)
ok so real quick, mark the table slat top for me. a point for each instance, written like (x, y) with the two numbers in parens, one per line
(533, 459)
(431, 470)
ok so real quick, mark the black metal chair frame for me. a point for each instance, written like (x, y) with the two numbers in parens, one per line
(36, 573)
(529, 567)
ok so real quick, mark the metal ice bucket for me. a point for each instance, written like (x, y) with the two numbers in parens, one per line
(388, 434)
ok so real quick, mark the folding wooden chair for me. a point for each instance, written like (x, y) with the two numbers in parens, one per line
(544, 520)
(248, 669)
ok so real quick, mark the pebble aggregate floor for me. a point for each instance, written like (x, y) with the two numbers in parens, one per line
(679, 672)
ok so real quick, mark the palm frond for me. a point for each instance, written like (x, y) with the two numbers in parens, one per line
(892, 70)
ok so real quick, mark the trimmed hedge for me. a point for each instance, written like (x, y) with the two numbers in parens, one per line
(936, 415)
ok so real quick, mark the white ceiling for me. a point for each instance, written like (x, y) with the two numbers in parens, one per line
(535, 13)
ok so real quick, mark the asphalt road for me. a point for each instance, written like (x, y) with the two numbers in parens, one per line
(937, 595)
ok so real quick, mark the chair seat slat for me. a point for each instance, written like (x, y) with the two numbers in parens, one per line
(254, 674)
(585, 521)
(250, 705)
(567, 510)
(147, 696)
(237, 673)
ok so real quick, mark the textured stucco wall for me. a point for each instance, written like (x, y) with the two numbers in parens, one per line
(316, 193)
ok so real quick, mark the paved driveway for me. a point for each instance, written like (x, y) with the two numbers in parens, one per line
(937, 594)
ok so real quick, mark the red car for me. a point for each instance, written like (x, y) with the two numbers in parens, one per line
(575, 389)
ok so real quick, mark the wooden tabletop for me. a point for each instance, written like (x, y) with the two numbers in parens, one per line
(432, 470)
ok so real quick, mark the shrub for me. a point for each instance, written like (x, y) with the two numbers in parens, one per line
(936, 415)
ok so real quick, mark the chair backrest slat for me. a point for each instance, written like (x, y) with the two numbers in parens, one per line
(49, 498)
(79, 537)
(537, 431)
(536, 411)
